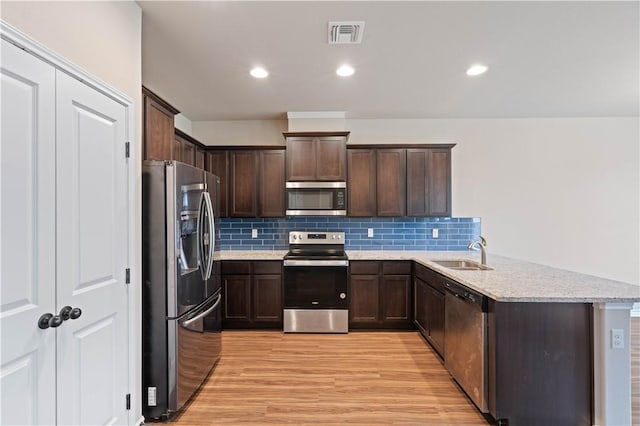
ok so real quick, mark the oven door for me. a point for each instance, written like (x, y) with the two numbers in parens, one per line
(316, 284)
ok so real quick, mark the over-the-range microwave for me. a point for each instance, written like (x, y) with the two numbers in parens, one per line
(316, 198)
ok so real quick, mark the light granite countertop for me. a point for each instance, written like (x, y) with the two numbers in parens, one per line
(511, 280)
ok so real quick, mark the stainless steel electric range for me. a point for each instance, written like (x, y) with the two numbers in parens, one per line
(316, 289)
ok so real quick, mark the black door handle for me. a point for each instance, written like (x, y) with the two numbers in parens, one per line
(49, 320)
(75, 313)
(68, 312)
(43, 321)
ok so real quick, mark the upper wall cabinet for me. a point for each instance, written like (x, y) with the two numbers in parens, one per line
(251, 180)
(316, 156)
(158, 138)
(390, 180)
(429, 182)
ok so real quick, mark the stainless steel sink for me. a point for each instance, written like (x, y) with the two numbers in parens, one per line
(460, 264)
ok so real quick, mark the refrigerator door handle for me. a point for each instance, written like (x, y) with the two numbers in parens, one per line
(205, 313)
(211, 234)
(199, 232)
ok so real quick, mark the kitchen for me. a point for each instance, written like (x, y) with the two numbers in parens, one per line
(578, 221)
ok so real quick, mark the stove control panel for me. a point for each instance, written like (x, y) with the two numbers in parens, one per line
(325, 237)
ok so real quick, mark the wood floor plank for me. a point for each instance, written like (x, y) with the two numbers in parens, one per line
(363, 378)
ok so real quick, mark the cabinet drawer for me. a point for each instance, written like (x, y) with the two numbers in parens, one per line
(363, 267)
(236, 267)
(399, 267)
(267, 267)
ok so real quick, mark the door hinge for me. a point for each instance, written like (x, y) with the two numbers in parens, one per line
(127, 153)
(128, 401)
(127, 276)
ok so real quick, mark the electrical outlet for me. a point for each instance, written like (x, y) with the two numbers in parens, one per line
(434, 232)
(254, 233)
(617, 338)
(370, 232)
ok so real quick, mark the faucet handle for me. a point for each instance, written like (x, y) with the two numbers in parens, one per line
(483, 241)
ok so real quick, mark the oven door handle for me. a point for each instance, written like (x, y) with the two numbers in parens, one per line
(316, 263)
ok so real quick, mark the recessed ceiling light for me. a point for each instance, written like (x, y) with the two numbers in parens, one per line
(259, 72)
(477, 69)
(345, 71)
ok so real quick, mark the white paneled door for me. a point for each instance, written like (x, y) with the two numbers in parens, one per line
(64, 247)
(28, 252)
(92, 255)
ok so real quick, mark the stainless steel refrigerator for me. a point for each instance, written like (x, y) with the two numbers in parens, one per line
(181, 296)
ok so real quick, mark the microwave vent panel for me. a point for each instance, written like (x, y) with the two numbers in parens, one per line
(346, 32)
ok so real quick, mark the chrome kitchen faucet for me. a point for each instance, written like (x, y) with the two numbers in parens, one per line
(482, 243)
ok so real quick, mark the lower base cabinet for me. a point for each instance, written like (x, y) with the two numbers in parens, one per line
(540, 363)
(252, 294)
(380, 295)
(429, 306)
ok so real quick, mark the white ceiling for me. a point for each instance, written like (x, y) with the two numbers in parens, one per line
(550, 59)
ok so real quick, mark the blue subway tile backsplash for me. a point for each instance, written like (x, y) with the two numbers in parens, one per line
(399, 233)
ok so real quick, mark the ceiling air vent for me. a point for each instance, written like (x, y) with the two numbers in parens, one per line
(346, 32)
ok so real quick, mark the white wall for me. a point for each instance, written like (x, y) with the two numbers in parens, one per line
(563, 192)
(105, 39)
(183, 123)
(240, 132)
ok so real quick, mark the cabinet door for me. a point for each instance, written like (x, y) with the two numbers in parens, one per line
(331, 159)
(361, 185)
(364, 307)
(237, 298)
(176, 153)
(417, 182)
(390, 182)
(267, 298)
(396, 298)
(301, 159)
(428, 182)
(271, 184)
(28, 224)
(218, 163)
(243, 173)
(188, 153)
(439, 182)
(200, 154)
(158, 131)
(420, 306)
(435, 312)
(92, 207)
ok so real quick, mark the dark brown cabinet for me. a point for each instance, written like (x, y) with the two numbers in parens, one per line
(386, 181)
(316, 156)
(184, 150)
(429, 182)
(540, 363)
(218, 163)
(200, 156)
(361, 184)
(391, 182)
(271, 183)
(158, 129)
(380, 295)
(429, 306)
(243, 175)
(252, 294)
(251, 181)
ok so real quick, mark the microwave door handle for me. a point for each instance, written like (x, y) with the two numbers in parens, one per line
(199, 236)
(211, 223)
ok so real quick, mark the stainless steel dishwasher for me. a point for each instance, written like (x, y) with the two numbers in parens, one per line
(465, 341)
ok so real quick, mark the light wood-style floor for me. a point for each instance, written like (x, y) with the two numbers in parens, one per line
(366, 378)
(357, 378)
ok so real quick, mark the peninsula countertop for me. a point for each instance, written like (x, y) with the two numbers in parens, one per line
(511, 280)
